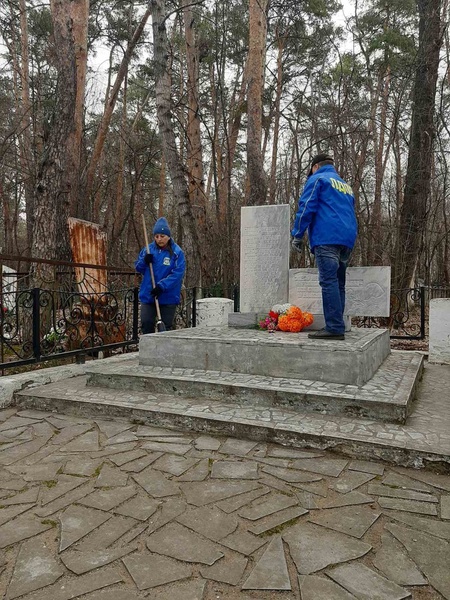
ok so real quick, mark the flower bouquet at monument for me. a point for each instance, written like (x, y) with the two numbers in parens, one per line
(286, 317)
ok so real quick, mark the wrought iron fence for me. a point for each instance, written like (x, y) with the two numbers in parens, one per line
(68, 319)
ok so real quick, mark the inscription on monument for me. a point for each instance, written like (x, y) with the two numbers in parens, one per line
(264, 275)
(367, 291)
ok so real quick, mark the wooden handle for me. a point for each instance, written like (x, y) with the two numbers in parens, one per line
(145, 235)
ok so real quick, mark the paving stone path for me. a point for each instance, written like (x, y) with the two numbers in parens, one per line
(110, 510)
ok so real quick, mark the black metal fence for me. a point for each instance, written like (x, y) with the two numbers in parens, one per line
(42, 324)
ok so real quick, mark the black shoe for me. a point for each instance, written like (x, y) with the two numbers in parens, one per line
(323, 334)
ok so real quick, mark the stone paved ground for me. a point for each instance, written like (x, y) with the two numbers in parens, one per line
(111, 510)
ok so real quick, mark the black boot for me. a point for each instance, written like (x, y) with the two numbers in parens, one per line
(323, 334)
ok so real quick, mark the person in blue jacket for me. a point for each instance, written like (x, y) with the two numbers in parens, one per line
(326, 209)
(169, 265)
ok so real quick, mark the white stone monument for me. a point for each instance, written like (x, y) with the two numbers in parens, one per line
(439, 348)
(264, 266)
(9, 287)
(213, 312)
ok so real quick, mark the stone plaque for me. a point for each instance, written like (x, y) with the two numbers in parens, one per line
(368, 291)
(265, 244)
(440, 330)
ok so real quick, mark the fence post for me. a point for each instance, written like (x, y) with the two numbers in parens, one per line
(36, 324)
(194, 307)
(422, 313)
(135, 313)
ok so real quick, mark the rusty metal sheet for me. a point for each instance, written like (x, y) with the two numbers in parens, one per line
(88, 243)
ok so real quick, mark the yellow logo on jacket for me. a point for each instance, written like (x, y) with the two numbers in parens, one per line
(340, 186)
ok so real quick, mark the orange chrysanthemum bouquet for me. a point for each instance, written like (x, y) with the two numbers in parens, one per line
(286, 317)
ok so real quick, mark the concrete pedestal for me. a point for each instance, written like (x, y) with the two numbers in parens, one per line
(213, 312)
(353, 361)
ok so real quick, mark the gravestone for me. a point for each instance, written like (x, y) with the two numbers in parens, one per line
(264, 265)
(439, 350)
(367, 291)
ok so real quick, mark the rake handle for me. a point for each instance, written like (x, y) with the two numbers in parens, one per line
(152, 275)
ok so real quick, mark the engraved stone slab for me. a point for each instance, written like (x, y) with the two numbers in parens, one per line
(440, 331)
(367, 291)
(392, 560)
(313, 587)
(366, 584)
(270, 572)
(176, 541)
(264, 265)
(313, 548)
(352, 520)
(35, 568)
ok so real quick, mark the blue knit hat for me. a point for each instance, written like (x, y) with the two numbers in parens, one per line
(162, 227)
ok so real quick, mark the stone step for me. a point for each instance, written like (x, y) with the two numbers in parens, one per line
(387, 397)
(407, 445)
(353, 361)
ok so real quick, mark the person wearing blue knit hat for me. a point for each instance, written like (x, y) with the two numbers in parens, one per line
(169, 265)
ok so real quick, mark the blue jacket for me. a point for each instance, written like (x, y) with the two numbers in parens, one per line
(168, 269)
(327, 209)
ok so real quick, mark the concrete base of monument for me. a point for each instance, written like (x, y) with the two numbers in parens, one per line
(353, 361)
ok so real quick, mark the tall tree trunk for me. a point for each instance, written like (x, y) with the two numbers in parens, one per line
(194, 251)
(194, 143)
(414, 209)
(276, 128)
(111, 103)
(26, 156)
(257, 178)
(59, 171)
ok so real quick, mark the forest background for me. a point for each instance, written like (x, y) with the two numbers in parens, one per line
(205, 107)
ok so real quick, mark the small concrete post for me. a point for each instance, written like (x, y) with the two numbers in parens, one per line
(213, 312)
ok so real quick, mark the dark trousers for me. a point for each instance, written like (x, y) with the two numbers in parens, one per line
(148, 316)
(332, 264)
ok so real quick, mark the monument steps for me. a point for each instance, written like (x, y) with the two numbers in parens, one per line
(360, 438)
(395, 382)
